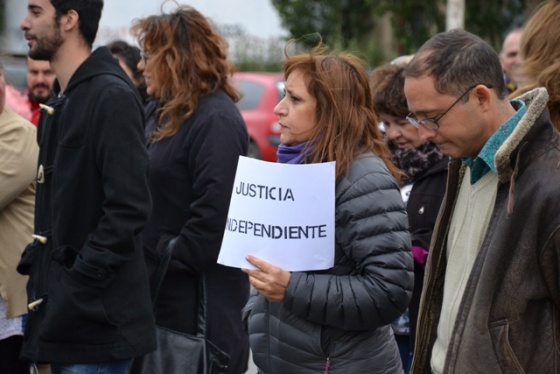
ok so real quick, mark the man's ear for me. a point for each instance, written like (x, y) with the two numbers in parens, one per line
(483, 96)
(70, 20)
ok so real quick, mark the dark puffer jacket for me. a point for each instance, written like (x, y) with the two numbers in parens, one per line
(339, 317)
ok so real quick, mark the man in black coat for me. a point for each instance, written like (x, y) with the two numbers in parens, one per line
(89, 302)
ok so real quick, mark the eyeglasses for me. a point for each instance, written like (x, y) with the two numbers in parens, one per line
(431, 124)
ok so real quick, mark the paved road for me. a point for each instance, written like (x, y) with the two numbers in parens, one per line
(252, 367)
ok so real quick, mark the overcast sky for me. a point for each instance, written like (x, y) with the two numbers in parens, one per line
(254, 17)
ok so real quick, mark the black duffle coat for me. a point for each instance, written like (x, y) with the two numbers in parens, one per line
(87, 279)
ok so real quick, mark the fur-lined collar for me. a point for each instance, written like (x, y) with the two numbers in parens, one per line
(536, 101)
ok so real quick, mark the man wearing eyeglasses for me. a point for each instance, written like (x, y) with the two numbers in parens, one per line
(491, 300)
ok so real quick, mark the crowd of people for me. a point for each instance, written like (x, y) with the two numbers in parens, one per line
(117, 166)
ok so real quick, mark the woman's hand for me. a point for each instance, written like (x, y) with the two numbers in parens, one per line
(269, 280)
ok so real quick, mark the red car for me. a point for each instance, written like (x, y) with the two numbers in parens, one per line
(261, 92)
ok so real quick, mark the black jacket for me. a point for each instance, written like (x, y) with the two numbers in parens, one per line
(191, 181)
(92, 203)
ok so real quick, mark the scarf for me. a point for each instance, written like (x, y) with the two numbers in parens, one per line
(292, 154)
(414, 162)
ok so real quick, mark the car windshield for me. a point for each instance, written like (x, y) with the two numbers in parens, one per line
(252, 93)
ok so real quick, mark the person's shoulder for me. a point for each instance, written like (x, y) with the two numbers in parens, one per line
(107, 80)
(439, 167)
(218, 101)
(112, 90)
(17, 102)
(367, 173)
(366, 163)
(218, 105)
(10, 119)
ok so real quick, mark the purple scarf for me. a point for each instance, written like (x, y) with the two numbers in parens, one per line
(292, 154)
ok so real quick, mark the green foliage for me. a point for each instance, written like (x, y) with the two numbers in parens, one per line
(258, 65)
(349, 23)
(251, 53)
(414, 22)
(491, 19)
(342, 24)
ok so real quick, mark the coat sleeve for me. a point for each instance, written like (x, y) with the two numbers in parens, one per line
(121, 160)
(214, 147)
(371, 231)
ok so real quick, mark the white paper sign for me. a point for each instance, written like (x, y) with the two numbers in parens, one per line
(281, 213)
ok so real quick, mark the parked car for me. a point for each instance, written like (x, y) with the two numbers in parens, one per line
(261, 92)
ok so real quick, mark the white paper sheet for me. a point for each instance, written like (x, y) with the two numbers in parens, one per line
(281, 213)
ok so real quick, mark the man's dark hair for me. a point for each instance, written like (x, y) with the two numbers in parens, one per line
(129, 53)
(89, 12)
(457, 60)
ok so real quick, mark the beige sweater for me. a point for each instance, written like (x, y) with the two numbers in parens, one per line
(466, 232)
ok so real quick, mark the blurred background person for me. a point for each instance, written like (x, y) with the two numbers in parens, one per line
(18, 165)
(129, 56)
(540, 54)
(336, 320)
(510, 58)
(423, 188)
(195, 136)
(40, 79)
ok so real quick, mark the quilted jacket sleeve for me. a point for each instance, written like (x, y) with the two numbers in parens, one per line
(372, 280)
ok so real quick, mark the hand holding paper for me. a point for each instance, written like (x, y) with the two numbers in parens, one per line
(269, 280)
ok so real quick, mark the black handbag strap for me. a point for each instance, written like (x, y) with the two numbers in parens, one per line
(158, 281)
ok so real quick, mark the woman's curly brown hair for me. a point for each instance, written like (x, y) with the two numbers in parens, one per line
(187, 60)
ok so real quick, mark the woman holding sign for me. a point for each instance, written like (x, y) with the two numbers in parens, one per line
(336, 320)
(195, 136)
